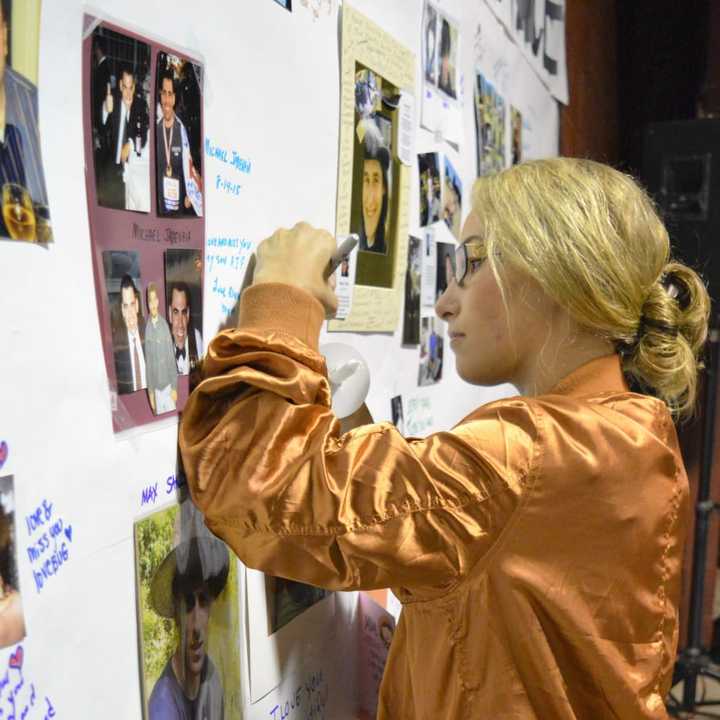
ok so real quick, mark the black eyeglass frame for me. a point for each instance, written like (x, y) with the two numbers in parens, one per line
(463, 258)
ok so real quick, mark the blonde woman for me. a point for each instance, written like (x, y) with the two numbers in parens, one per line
(536, 546)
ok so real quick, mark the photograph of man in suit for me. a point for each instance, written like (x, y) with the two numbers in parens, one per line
(187, 340)
(125, 119)
(128, 342)
(102, 77)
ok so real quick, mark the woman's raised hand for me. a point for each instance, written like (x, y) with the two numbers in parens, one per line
(299, 257)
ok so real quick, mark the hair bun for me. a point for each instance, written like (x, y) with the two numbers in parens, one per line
(676, 288)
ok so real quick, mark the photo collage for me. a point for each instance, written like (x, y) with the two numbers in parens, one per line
(143, 133)
(428, 260)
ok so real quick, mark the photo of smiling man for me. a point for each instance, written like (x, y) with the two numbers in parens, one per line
(183, 283)
(187, 605)
(376, 161)
(372, 208)
(177, 138)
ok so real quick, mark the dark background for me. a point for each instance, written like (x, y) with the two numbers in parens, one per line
(632, 63)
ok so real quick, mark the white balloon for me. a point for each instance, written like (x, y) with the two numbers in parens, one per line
(349, 377)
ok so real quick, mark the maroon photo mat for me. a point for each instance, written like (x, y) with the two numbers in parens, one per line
(112, 229)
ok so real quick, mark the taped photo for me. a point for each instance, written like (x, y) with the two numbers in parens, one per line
(119, 114)
(490, 127)
(25, 211)
(187, 618)
(178, 137)
(374, 167)
(12, 617)
(127, 325)
(183, 283)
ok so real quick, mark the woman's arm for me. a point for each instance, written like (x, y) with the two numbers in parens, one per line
(268, 465)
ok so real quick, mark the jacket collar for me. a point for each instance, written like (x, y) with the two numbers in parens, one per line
(600, 376)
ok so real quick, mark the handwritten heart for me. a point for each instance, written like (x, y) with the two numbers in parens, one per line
(68, 533)
(16, 659)
(3, 453)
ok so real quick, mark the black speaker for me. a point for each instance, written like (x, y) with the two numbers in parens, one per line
(681, 170)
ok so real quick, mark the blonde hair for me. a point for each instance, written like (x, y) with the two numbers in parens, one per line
(592, 239)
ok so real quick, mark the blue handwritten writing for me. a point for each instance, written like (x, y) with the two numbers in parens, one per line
(228, 156)
(306, 702)
(170, 484)
(229, 187)
(47, 551)
(226, 291)
(229, 242)
(149, 495)
(231, 254)
(18, 698)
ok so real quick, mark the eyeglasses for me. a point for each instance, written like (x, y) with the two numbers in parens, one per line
(465, 255)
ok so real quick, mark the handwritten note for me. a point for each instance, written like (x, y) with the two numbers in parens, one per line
(150, 493)
(226, 259)
(153, 234)
(234, 163)
(19, 699)
(49, 547)
(306, 702)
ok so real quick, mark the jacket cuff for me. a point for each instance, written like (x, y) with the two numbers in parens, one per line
(282, 308)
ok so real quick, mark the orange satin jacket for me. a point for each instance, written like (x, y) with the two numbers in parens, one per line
(536, 546)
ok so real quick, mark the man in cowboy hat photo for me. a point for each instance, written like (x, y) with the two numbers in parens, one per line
(184, 587)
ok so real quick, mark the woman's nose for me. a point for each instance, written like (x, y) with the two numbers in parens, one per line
(447, 304)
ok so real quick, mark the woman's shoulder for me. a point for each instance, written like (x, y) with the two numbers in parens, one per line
(557, 423)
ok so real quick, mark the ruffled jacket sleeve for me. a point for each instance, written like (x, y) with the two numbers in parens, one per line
(267, 465)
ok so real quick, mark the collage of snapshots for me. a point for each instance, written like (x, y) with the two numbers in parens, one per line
(432, 329)
(490, 127)
(440, 51)
(187, 616)
(25, 212)
(127, 110)
(155, 323)
(373, 214)
(143, 143)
